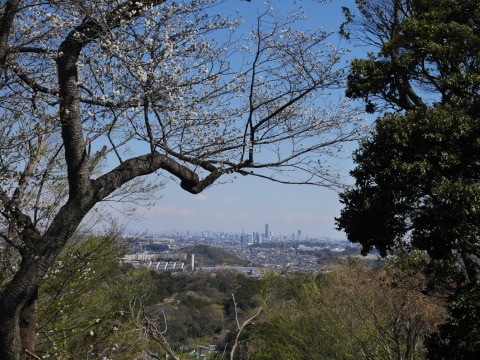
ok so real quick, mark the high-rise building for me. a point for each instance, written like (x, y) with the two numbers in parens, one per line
(299, 233)
(266, 232)
(250, 239)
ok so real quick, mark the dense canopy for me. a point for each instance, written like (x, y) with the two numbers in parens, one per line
(417, 184)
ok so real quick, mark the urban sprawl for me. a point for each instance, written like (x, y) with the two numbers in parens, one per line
(263, 251)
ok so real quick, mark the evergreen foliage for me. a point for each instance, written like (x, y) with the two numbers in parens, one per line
(417, 186)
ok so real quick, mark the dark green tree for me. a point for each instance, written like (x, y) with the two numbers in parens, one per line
(417, 184)
(427, 52)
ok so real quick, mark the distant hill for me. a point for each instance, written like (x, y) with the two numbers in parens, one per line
(206, 255)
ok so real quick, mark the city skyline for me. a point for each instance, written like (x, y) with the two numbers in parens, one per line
(295, 236)
(231, 207)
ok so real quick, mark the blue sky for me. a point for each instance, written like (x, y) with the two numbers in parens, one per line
(250, 203)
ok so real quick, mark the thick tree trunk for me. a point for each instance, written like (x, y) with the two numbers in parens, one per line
(17, 322)
(10, 340)
(10, 9)
(28, 321)
(18, 298)
(17, 330)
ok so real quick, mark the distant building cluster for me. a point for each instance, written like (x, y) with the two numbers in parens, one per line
(146, 256)
(293, 253)
(258, 237)
(152, 260)
(166, 266)
(148, 260)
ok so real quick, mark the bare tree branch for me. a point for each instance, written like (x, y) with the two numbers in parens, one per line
(241, 326)
(158, 336)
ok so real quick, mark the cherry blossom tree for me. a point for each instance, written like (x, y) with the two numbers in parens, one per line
(146, 87)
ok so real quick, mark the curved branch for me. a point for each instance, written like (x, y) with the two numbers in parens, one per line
(32, 83)
(148, 164)
(68, 54)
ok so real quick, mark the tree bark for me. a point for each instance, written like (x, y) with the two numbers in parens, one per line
(10, 341)
(18, 298)
(28, 321)
(17, 328)
(6, 23)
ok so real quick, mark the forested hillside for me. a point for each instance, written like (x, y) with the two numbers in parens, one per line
(210, 256)
(95, 308)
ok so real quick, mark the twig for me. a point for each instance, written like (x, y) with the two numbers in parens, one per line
(32, 354)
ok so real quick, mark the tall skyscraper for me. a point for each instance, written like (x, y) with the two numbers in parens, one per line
(250, 239)
(299, 233)
(266, 232)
